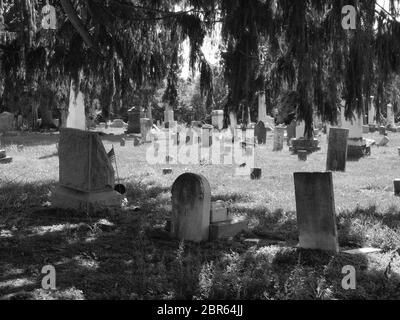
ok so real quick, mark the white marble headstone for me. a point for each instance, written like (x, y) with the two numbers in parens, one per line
(76, 118)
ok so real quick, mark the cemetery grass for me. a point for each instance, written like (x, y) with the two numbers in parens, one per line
(128, 255)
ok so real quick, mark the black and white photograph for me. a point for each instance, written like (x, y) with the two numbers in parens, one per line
(208, 152)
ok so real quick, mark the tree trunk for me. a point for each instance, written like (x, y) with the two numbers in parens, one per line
(77, 23)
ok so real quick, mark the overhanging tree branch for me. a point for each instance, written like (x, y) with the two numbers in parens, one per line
(78, 24)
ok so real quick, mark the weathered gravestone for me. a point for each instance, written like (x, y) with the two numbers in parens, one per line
(6, 122)
(396, 187)
(169, 118)
(260, 132)
(76, 110)
(291, 131)
(337, 149)
(371, 112)
(191, 205)
(279, 137)
(302, 155)
(390, 122)
(134, 120)
(217, 119)
(315, 206)
(384, 142)
(86, 173)
(206, 135)
(145, 127)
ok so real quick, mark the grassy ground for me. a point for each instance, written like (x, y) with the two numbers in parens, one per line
(127, 254)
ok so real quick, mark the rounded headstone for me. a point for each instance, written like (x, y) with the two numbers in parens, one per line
(191, 206)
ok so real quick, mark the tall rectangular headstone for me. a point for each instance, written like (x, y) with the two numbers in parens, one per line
(291, 131)
(261, 133)
(390, 116)
(169, 117)
(134, 120)
(371, 111)
(300, 128)
(262, 108)
(315, 207)
(76, 118)
(145, 127)
(279, 137)
(337, 149)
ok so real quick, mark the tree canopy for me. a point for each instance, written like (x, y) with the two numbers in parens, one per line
(114, 47)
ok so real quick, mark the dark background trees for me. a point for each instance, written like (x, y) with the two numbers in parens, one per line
(116, 50)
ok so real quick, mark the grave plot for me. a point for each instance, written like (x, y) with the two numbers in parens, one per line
(86, 176)
(194, 217)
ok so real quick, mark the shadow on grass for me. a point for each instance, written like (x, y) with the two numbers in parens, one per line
(127, 255)
(55, 154)
(31, 140)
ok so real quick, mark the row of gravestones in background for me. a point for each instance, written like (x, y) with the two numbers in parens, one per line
(87, 180)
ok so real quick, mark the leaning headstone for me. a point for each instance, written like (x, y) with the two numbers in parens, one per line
(279, 137)
(191, 205)
(315, 206)
(2, 154)
(86, 173)
(337, 149)
(136, 141)
(384, 142)
(261, 133)
(6, 122)
(134, 120)
(123, 142)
